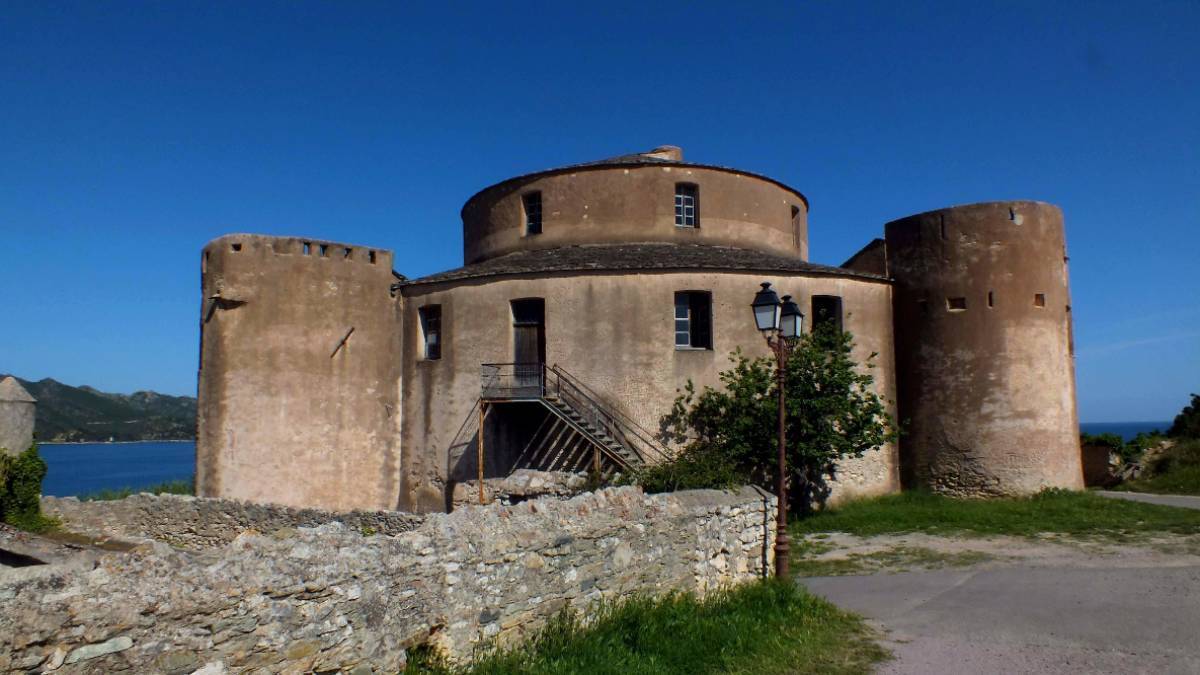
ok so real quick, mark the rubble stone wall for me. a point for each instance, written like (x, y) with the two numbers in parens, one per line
(329, 598)
(195, 522)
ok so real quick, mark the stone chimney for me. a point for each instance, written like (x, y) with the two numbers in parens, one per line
(672, 153)
(17, 410)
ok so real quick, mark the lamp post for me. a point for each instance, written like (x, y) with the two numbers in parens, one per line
(781, 323)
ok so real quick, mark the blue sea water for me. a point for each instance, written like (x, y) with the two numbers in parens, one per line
(83, 468)
(1126, 430)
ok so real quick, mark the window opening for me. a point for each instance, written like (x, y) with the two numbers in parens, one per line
(371, 257)
(991, 299)
(693, 320)
(324, 250)
(687, 205)
(1039, 299)
(827, 310)
(533, 212)
(307, 248)
(956, 304)
(795, 226)
(236, 247)
(431, 331)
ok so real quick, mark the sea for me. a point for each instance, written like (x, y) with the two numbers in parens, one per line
(75, 469)
(84, 468)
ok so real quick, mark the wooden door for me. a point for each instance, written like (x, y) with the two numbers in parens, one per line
(529, 341)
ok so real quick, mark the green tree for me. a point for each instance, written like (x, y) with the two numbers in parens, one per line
(21, 490)
(1187, 422)
(730, 435)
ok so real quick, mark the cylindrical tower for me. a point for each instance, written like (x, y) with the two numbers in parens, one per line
(650, 197)
(984, 352)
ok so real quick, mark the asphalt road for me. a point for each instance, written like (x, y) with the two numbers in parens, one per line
(1182, 501)
(1031, 620)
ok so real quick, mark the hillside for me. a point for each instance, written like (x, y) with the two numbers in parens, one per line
(66, 413)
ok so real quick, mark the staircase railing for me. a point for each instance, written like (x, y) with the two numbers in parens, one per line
(619, 426)
(549, 384)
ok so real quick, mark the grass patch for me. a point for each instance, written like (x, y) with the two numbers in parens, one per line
(172, 487)
(1176, 472)
(1050, 511)
(763, 627)
(807, 560)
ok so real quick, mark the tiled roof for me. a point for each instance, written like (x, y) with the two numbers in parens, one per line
(637, 258)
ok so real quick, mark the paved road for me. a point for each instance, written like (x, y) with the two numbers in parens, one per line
(1031, 620)
(1182, 501)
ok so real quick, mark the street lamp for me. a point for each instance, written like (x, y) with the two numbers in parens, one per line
(781, 323)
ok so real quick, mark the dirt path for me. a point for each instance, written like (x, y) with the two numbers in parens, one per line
(1182, 501)
(1010, 605)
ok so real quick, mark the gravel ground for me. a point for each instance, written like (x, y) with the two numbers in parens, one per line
(1049, 606)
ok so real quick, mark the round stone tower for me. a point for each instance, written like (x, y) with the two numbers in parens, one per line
(984, 351)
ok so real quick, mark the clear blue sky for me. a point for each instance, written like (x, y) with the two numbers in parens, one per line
(132, 133)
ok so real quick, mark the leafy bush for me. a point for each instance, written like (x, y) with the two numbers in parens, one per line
(731, 435)
(1175, 471)
(21, 490)
(1187, 422)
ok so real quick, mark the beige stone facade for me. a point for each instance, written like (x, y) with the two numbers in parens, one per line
(327, 380)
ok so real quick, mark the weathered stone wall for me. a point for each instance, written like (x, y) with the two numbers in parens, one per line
(16, 426)
(195, 523)
(984, 355)
(329, 598)
(605, 204)
(624, 351)
(299, 374)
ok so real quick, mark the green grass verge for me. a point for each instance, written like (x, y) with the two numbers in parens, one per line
(174, 487)
(764, 627)
(808, 561)
(1176, 472)
(1050, 511)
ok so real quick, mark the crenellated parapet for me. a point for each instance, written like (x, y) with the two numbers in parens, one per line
(299, 369)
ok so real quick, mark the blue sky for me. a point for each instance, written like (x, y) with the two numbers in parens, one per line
(132, 133)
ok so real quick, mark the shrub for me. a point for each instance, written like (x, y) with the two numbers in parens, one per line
(21, 490)
(171, 487)
(731, 435)
(1187, 422)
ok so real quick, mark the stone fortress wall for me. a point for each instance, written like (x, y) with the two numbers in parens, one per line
(619, 203)
(315, 390)
(299, 373)
(17, 412)
(331, 599)
(196, 523)
(984, 351)
(614, 332)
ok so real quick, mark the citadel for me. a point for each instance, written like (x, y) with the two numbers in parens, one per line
(589, 294)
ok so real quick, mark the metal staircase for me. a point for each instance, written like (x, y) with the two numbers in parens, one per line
(620, 443)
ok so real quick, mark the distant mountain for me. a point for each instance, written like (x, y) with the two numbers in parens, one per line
(66, 413)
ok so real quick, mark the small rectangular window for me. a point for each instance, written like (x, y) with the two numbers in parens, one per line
(324, 250)
(796, 226)
(827, 311)
(687, 205)
(693, 320)
(1039, 299)
(371, 257)
(307, 249)
(533, 212)
(991, 299)
(956, 304)
(431, 331)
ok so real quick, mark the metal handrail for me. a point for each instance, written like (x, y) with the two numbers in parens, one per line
(510, 381)
(616, 418)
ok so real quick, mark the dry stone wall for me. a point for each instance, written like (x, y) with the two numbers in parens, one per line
(195, 522)
(329, 598)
